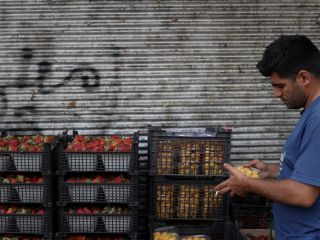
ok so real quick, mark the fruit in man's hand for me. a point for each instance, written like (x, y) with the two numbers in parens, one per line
(249, 172)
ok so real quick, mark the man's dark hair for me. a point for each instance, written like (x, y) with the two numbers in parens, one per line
(288, 55)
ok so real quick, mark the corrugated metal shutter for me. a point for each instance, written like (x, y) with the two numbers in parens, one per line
(106, 66)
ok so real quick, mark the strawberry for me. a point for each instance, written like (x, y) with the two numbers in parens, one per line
(3, 143)
(39, 180)
(14, 142)
(38, 139)
(87, 210)
(118, 179)
(79, 138)
(10, 211)
(13, 148)
(80, 211)
(41, 211)
(124, 148)
(79, 147)
(127, 140)
(114, 137)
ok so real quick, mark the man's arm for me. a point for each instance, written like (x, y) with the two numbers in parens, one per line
(273, 169)
(284, 191)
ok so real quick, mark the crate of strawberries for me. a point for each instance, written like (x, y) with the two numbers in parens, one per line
(98, 153)
(107, 219)
(26, 220)
(25, 153)
(24, 189)
(97, 188)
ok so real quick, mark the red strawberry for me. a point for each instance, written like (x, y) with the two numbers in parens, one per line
(3, 143)
(114, 137)
(79, 147)
(13, 148)
(39, 180)
(79, 138)
(14, 142)
(80, 211)
(87, 210)
(127, 140)
(118, 179)
(41, 211)
(38, 139)
(9, 211)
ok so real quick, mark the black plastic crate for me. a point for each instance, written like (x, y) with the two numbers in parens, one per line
(27, 161)
(186, 200)
(114, 161)
(98, 223)
(24, 237)
(26, 224)
(94, 236)
(98, 193)
(38, 193)
(189, 153)
(216, 231)
(251, 216)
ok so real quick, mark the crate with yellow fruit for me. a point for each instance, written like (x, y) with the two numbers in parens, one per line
(189, 153)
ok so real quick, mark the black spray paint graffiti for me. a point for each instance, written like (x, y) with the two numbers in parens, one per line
(88, 76)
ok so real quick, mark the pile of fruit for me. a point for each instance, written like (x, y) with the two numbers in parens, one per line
(83, 143)
(99, 179)
(165, 236)
(19, 210)
(24, 143)
(95, 210)
(249, 172)
(14, 179)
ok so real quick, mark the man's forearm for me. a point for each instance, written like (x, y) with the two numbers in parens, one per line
(273, 169)
(284, 191)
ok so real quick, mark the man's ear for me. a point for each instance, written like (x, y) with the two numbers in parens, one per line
(304, 77)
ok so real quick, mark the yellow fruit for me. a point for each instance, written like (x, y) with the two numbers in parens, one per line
(251, 173)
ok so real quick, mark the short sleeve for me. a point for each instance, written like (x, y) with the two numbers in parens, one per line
(307, 165)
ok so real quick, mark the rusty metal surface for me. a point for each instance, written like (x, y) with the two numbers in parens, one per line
(116, 66)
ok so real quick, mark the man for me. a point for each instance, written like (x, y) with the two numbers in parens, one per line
(293, 64)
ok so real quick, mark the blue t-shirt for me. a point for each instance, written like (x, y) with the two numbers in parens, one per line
(301, 162)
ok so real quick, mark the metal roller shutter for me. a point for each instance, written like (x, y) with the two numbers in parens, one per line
(116, 66)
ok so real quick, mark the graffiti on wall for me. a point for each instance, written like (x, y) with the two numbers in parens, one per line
(87, 75)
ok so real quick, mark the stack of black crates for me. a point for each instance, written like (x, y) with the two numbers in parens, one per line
(184, 169)
(26, 204)
(82, 197)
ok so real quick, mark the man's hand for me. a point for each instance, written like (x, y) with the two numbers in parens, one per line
(258, 164)
(267, 170)
(236, 184)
